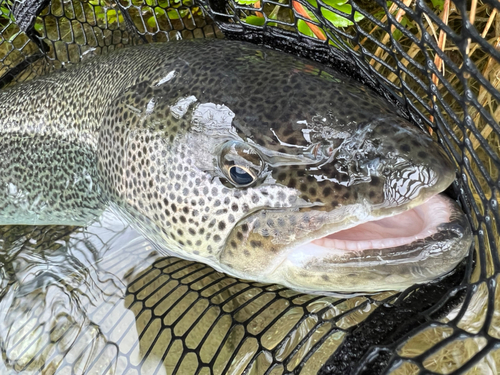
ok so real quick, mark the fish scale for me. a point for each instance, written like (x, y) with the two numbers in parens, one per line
(153, 127)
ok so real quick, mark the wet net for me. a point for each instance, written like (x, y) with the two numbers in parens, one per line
(438, 61)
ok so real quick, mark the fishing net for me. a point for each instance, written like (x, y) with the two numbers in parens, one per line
(438, 61)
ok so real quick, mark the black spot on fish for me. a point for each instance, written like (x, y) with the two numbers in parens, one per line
(255, 244)
(405, 148)
(327, 191)
(422, 154)
(375, 181)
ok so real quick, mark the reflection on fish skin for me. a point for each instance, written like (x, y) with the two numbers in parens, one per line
(181, 137)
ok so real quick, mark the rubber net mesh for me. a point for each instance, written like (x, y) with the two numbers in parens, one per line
(439, 61)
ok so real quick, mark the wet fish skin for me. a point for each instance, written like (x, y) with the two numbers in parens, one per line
(164, 121)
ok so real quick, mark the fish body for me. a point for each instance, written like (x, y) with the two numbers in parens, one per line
(263, 165)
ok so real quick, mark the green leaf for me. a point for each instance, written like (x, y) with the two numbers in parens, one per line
(337, 20)
(439, 4)
(335, 3)
(254, 20)
(313, 3)
(39, 25)
(304, 29)
(358, 16)
(397, 34)
(246, 2)
(99, 12)
(6, 13)
(176, 14)
(152, 22)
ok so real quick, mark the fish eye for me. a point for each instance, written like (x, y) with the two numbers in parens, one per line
(240, 176)
(240, 163)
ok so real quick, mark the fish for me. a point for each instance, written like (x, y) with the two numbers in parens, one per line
(263, 165)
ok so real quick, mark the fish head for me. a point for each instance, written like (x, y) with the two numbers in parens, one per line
(313, 178)
(255, 184)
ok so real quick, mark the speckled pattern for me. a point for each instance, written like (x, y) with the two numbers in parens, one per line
(164, 120)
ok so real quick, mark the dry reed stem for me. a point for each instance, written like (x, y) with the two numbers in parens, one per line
(472, 13)
(257, 6)
(431, 26)
(472, 17)
(491, 67)
(438, 62)
(399, 15)
(486, 29)
(392, 8)
(483, 96)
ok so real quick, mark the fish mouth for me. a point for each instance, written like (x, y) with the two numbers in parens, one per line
(389, 232)
(393, 252)
(352, 249)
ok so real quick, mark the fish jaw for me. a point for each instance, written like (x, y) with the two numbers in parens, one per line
(359, 259)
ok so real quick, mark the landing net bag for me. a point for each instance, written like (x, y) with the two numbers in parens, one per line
(438, 61)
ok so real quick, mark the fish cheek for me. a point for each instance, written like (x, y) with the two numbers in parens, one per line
(249, 252)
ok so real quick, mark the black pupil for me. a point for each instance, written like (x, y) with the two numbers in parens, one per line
(240, 176)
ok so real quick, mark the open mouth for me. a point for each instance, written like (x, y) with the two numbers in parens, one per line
(387, 233)
(398, 230)
(391, 252)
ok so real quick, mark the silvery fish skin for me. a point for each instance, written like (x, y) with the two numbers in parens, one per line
(253, 161)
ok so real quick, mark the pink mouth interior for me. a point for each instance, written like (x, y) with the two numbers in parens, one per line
(402, 229)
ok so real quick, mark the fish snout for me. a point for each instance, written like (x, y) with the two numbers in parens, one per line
(414, 167)
(409, 182)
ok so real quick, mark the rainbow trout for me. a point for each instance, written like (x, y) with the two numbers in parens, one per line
(263, 165)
